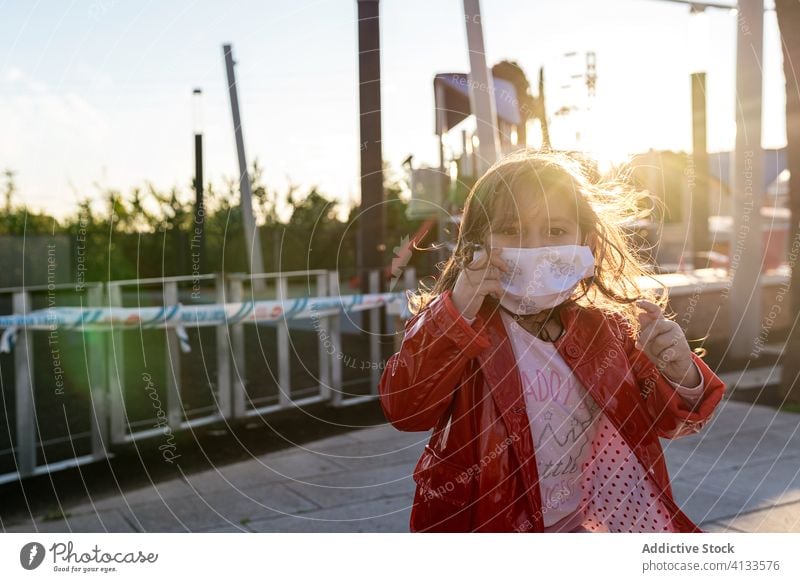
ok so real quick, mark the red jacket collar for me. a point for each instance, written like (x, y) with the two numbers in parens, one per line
(575, 320)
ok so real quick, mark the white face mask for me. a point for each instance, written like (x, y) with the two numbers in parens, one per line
(541, 278)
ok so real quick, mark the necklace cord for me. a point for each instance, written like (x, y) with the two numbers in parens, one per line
(542, 325)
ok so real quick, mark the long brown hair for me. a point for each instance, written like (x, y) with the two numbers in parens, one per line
(603, 208)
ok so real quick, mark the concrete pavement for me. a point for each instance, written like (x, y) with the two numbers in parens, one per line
(741, 474)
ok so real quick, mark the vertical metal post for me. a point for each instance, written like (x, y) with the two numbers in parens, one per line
(336, 343)
(375, 355)
(116, 372)
(441, 130)
(23, 385)
(788, 18)
(97, 348)
(699, 190)
(252, 240)
(173, 354)
(282, 329)
(444, 179)
(197, 243)
(746, 238)
(224, 400)
(236, 332)
(398, 324)
(371, 226)
(322, 324)
(481, 91)
(466, 158)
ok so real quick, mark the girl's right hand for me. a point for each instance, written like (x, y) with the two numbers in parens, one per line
(479, 278)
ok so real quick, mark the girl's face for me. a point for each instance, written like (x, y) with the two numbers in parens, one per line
(531, 221)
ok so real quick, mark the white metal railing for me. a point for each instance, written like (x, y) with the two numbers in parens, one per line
(105, 359)
(26, 437)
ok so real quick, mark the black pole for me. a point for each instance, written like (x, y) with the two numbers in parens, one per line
(699, 190)
(198, 236)
(371, 220)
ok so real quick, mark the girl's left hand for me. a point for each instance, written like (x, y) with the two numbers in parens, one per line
(663, 342)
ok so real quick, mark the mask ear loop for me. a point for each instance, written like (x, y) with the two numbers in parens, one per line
(470, 248)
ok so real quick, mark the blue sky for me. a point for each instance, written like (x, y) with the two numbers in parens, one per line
(99, 91)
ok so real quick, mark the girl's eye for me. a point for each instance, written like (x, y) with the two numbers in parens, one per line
(559, 229)
(509, 230)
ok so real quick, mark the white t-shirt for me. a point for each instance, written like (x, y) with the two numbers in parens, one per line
(562, 417)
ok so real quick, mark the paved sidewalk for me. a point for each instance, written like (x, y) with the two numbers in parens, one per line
(742, 473)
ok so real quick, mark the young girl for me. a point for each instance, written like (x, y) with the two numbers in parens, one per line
(545, 371)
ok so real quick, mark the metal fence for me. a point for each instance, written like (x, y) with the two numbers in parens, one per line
(69, 395)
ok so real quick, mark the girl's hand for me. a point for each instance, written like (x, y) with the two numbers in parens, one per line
(479, 278)
(664, 343)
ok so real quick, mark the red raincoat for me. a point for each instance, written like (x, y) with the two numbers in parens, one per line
(478, 472)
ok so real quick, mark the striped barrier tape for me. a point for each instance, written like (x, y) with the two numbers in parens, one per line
(181, 316)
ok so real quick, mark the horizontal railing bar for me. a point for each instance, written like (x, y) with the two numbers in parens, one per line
(62, 439)
(202, 421)
(142, 434)
(157, 280)
(356, 400)
(245, 276)
(57, 287)
(277, 407)
(53, 467)
(208, 408)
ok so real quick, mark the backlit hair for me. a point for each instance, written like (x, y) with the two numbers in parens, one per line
(604, 209)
